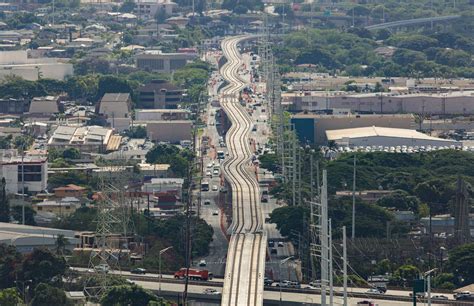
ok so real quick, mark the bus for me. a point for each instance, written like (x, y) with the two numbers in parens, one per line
(220, 155)
(204, 186)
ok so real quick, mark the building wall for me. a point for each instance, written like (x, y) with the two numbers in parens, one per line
(171, 131)
(34, 181)
(33, 72)
(396, 141)
(320, 124)
(388, 104)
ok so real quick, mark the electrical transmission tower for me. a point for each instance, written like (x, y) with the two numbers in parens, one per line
(320, 249)
(114, 229)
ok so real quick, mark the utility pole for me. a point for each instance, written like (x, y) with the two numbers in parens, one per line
(324, 240)
(331, 289)
(353, 199)
(344, 264)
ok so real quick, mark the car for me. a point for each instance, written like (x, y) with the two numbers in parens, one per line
(223, 190)
(374, 291)
(215, 188)
(316, 284)
(208, 173)
(215, 213)
(273, 251)
(267, 281)
(283, 283)
(215, 172)
(271, 243)
(294, 285)
(366, 302)
(138, 271)
(280, 244)
(439, 297)
(458, 294)
(211, 291)
(207, 202)
(465, 297)
(202, 263)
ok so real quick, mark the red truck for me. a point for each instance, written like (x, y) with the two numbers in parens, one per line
(194, 274)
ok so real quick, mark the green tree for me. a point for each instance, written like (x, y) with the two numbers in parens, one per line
(23, 142)
(400, 200)
(460, 262)
(168, 154)
(112, 84)
(71, 153)
(131, 295)
(6, 142)
(46, 295)
(287, 219)
(444, 281)
(405, 275)
(42, 266)
(17, 214)
(10, 259)
(83, 219)
(61, 243)
(10, 297)
(4, 205)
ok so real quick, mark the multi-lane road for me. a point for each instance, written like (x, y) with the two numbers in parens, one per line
(245, 268)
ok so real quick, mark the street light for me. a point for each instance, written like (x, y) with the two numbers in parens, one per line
(283, 261)
(428, 275)
(159, 266)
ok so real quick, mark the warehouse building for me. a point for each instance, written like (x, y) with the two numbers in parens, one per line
(26, 238)
(311, 128)
(449, 103)
(387, 137)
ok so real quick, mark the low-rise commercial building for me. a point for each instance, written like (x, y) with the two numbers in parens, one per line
(387, 137)
(161, 114)
(159, 94)
(30, 172)
(26, 238)
(449, 103)
(43, 107)
(17, 63)
(87, 138)
(157, 61)
(156, 185)
(14, 106)
(148, 9)
(116, 108)
(311, 128)
(172, 131)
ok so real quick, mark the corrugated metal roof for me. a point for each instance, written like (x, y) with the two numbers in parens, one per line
(114, 142)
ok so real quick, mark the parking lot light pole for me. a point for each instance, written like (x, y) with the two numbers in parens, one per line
(283, 261)
(159, 266)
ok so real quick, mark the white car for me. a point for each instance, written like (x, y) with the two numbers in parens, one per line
(214, 188)
(374, 291)
(215, 172)
(215, 213)
(211, 291)
(202, 263)
(208, 173)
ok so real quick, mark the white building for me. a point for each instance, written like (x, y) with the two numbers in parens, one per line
(87, 138)
(116, 108)
(381, 136)
(17, 63)
(147, 9)
(164, 185)
(35, 172)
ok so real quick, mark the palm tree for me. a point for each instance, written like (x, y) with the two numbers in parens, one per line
(61, 243)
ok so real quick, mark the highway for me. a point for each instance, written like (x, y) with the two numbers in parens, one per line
(245, 267)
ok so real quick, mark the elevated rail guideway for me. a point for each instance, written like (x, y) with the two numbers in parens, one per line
(245, 268)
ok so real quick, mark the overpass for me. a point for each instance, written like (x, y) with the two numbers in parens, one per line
(408, 22)
(245, 268)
